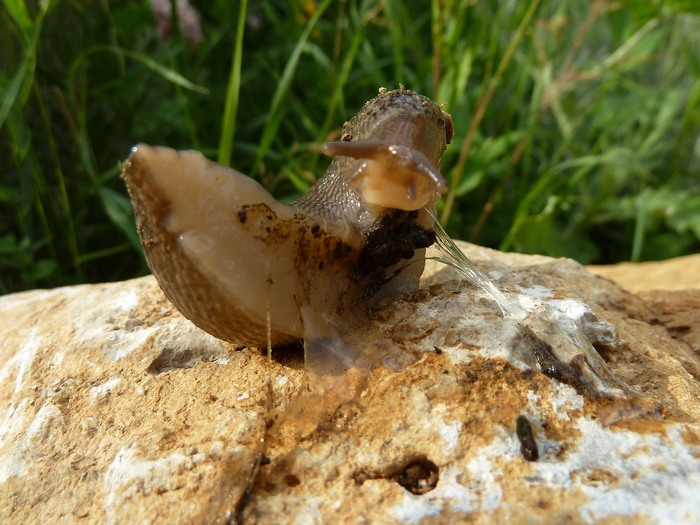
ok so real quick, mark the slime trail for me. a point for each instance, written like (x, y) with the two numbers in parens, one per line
(559, 345)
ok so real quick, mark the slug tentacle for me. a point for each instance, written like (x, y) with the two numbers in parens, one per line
(222, 249)
(393, 176)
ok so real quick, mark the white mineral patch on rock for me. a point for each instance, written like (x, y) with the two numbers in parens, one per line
(623, 473)
(658, 477)
(564, 399)
(11, 449)
(448, 431)
(20, 362)
(537, 291)
(126, 301)
(106, 387)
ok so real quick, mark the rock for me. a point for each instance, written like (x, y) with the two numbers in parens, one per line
(681, 273)
(116, 409)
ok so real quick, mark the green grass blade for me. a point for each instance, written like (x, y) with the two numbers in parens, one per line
(396, 29)
(10, 96)
(25, 73)
(119, 210)
(19, 14)
(346, 67)
(159, 69)
(483, 104)
(276, 110)
(228, 123)
(639, 226)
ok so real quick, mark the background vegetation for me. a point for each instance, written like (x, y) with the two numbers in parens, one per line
(577, 123)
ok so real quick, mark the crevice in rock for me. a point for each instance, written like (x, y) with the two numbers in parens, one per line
(605, 351)
(291, 356)
(677, 332)
(178, 358)
(170, 359)
(417, 474)
(677, 312)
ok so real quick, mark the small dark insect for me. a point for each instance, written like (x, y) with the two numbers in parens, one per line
(528, 445)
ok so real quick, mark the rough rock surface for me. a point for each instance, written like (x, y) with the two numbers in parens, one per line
(680, 274)
(115, 409)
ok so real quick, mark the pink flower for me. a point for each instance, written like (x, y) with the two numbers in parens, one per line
(187, 17)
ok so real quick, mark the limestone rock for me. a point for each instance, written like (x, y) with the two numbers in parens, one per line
(115, 409)
(681, 273)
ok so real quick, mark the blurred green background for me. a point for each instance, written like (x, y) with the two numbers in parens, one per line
(577, 124)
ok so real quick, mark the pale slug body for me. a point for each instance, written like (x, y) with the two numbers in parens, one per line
(227, 254)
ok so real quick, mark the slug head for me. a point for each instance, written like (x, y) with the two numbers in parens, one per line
(399, 137)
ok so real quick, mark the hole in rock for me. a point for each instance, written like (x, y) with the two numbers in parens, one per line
(291, 480)
(420, 476)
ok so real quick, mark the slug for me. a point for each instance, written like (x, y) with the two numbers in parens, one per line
(237, 263)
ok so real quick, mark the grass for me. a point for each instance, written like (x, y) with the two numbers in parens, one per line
(577, 124)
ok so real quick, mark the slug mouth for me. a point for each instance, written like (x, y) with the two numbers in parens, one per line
(393, 175)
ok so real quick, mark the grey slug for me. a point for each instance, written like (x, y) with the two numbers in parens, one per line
(235, 261)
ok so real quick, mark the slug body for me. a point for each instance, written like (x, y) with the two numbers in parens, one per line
(231, 258)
